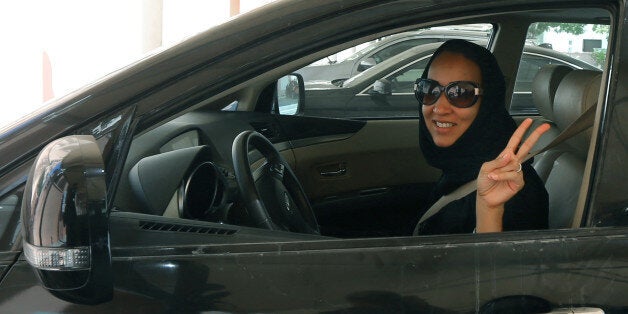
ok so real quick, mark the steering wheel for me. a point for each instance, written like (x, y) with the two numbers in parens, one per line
(272, 193)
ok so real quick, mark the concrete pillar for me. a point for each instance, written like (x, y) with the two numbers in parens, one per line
(234, 7)
(152, 24)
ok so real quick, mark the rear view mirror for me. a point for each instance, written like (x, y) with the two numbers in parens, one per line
(64, 221)
(290, 94)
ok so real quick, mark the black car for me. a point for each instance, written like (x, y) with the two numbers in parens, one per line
(174, 185)
(387, 89)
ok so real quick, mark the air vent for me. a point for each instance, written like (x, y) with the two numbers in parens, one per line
(158, 226)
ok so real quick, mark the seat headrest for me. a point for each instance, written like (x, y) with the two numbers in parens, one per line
(544, 87)
(577, 92)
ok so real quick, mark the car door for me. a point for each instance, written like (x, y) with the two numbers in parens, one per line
(362, 182)
(372, 180)
(524, 271)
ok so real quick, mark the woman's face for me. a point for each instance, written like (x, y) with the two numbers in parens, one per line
(445, 122)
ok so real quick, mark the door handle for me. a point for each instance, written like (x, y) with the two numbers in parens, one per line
(333, 170)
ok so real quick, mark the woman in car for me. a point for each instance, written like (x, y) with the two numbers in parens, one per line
(466, 131)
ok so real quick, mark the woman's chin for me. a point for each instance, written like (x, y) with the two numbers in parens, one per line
(443, 141)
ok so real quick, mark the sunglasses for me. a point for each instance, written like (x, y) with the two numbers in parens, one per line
(462, 94)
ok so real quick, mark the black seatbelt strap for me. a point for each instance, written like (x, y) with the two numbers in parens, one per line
(584, 121)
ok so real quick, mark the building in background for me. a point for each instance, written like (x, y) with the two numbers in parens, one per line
(51, 48)
(587, 43)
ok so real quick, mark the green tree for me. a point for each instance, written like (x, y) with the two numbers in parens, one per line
(602, 29)
(599, 56)
(537, 29)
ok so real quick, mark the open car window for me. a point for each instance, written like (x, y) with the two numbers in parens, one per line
(184, 169)
(341, 88)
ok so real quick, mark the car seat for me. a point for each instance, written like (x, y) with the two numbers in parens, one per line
(544, 88)
(577, 91)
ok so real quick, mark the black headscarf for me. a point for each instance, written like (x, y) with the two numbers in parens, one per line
(487, 135)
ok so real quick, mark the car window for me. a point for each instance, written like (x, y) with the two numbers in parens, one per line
(378, 84)
(383, 91)
(568, 44)
(402, 81)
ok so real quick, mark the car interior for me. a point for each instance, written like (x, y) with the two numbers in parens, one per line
(185, 177)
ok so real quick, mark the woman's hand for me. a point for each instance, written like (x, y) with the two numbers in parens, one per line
(500, 179)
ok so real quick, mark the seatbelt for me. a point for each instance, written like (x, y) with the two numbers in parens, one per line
(584, 121)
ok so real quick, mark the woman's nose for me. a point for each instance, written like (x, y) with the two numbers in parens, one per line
(442, 105)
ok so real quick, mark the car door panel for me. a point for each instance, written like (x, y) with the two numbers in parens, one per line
(349, 168)
(370, 182)
(420, 275)
(382, 153)
(565, 269)
(22, 293)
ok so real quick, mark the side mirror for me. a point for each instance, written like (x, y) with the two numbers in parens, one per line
(338, 82)
(290, 95)
(366, 63)
(65, 228)
(381, 87)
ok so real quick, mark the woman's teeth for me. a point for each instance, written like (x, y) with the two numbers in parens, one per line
(444, 124)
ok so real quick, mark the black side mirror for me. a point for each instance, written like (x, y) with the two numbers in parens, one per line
(65, 226)
(290, 95)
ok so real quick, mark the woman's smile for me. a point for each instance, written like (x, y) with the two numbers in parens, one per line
(440, 124)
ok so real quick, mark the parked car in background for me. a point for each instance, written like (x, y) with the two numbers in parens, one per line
(386, 47)
(174, 186)
(387, 89)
